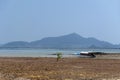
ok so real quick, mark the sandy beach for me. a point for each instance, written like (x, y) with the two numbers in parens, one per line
(104, 67)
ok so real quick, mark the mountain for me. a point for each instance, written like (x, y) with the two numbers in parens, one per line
(70, 41)
(66, 41)
(16, 44)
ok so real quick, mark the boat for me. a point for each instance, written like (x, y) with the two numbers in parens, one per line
(89, 54)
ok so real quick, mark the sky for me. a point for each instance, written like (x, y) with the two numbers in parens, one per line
(29, 20)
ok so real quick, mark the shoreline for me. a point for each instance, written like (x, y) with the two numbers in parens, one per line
(98, 56)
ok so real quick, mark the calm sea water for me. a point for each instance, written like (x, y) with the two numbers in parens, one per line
(47, 52)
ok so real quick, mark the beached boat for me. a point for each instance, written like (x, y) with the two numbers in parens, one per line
(90, 54)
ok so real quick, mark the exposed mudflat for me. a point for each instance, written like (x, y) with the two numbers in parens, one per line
(21, 68)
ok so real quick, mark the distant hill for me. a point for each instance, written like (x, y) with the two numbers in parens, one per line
(16, 44)
(67, 41)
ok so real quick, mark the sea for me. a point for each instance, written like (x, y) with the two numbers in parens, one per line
(48, 52)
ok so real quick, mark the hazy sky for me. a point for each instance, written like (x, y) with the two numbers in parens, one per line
(30, 20)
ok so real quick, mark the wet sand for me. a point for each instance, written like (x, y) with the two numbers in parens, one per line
(103, 67)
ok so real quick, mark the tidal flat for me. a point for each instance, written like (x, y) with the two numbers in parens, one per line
(46, 68)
